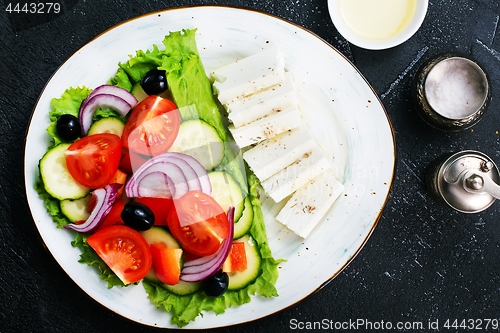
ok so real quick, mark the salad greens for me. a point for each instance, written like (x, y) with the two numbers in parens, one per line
(192, 93)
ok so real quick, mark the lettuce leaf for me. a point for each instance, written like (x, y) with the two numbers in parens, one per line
(52, 204)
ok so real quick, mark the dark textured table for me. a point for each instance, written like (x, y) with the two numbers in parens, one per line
(423, 263)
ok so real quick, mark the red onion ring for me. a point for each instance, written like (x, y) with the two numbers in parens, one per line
(175, 173)
(113, 90)
(88, 108)
(202, 174)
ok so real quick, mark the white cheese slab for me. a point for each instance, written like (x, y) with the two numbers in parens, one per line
(275, 123)
(274, 154)
(277, 97)
(249, 75)
(309, 204)
(296, 175)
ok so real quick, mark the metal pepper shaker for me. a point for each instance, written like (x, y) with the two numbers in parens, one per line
(467, 181)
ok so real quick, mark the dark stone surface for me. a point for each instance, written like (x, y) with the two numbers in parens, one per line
(423, 262)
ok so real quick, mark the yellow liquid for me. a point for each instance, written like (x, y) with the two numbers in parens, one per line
(377, 19)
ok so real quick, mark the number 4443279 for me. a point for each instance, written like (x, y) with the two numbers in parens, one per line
(34, 8)
(472, 324)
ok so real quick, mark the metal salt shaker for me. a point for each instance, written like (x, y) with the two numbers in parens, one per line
(450, 77)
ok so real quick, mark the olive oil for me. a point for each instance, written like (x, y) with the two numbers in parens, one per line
(377, 19)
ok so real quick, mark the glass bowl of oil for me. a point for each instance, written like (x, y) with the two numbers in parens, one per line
(377, 24)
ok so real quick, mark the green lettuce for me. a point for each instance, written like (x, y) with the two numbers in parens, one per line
(192, 93)
(52, 204)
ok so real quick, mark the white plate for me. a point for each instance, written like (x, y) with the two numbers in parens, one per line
(340, 107)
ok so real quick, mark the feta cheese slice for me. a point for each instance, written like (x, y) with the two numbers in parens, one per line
(277, 97)
(275, 123)
(249, 75)
(274, 154)
(296, 175)
(309, 204)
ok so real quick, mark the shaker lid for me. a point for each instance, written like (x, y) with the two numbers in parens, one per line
(451, 182)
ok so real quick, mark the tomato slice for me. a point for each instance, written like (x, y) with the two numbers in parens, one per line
(93, 160)
(198, 222)
(160, 207)
(124, 250)
(152, 126)
(166, 263)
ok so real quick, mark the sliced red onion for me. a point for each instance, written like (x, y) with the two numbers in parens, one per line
(169, 175)
(209, 268)
(201, 172)
(156, 185)
(192, 179)
(98, 101)
(113, 90)
(160, 179)
(105, 196)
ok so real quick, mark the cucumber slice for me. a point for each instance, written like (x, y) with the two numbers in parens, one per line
(183, 287)
(76, 210)
(244, 224)
(107, 125)
(227, 192)
(241, 279)
(138, 92)
(198, 139)
(56, 178)
(159, 235)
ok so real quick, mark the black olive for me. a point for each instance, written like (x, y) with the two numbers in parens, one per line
(154, 82)
(216, 285)
(68, 127)
(138, 216)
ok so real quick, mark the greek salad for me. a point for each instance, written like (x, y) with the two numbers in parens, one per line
(142, 171)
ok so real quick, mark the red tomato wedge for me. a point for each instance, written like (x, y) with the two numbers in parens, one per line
(160, 207)
(166, 263)
(93, 160)
(152, 126)
(237, 258)
(124, 250)
(131, 162)
(199, 223)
